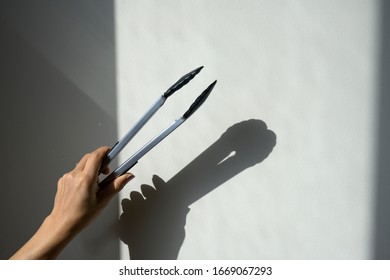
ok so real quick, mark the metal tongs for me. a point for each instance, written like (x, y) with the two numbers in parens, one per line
(129, 163)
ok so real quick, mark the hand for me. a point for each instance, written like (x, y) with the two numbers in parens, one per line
(77, 202)
(78, 199)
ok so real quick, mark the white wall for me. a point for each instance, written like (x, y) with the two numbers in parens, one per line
(308, 70)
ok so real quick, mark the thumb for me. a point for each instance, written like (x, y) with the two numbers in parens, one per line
(114, 187)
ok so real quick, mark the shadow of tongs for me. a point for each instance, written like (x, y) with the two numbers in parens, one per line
(129, 163)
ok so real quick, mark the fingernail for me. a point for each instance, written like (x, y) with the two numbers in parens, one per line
(129, 178)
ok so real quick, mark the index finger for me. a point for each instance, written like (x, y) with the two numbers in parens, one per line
(94, 161)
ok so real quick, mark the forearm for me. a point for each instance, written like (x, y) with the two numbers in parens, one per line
(47, 243)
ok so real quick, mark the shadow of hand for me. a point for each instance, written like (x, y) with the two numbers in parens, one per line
(152, 225)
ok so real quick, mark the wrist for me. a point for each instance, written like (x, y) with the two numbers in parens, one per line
(53, 236)
(58, 229)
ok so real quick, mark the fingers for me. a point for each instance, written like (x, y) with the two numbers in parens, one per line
(81, 164)
(121, 181)
(114, 187)
(105, 170)
(94, 161)
(91, 160)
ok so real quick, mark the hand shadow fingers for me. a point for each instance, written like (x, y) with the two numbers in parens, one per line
(148, 191)
(126, 204)
(136, 197)
(158, 182)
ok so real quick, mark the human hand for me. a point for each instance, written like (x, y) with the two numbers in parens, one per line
(77, 202)
(78, 199)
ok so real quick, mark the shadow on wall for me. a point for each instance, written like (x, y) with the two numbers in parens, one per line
(47, 124)
(382, 222)
(153, 227)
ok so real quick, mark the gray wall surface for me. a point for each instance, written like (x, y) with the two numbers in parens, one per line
(287, 159)
(58, 102)
(382, 221)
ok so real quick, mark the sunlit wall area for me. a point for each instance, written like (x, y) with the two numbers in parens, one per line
(294, 110)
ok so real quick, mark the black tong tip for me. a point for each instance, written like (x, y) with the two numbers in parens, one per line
(199, 101)
(182, 81)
